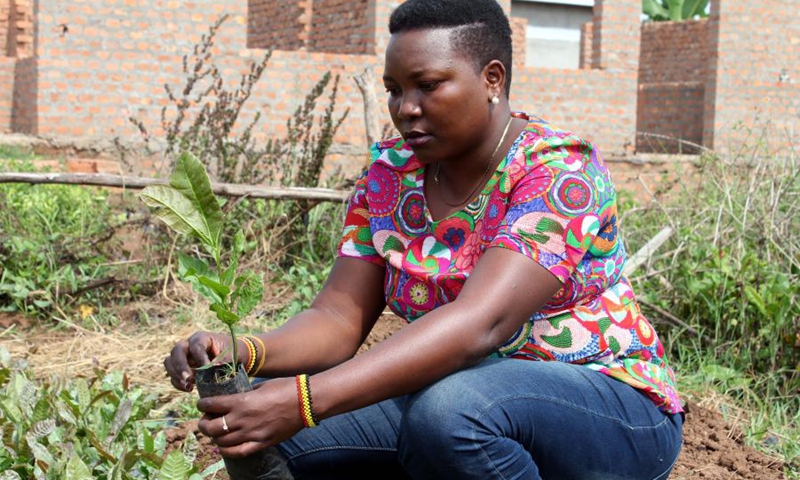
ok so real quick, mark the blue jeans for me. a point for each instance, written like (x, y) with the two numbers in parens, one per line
(502, 419)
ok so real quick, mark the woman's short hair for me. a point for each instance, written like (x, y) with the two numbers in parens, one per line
(481, 28)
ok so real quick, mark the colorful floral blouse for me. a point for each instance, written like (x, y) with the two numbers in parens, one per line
(552, 200)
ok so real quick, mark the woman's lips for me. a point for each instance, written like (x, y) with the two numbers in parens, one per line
(418, 139)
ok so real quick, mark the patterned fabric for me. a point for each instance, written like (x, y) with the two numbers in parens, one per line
(552, 200)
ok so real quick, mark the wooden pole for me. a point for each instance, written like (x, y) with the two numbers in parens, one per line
(138, 183)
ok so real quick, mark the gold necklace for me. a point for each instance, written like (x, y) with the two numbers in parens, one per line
(482, 181)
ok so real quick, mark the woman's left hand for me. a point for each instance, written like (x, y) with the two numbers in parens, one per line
(255, 420)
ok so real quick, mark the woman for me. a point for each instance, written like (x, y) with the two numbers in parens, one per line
(495, 236)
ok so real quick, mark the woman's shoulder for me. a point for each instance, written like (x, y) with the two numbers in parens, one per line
(545, 133)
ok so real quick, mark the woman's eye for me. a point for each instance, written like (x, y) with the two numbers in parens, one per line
(428, 86)
(392, 91)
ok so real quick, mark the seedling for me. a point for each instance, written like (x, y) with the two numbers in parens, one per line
(189, 206)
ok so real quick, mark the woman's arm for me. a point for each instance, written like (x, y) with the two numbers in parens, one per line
(331, 330)
(502, 292)
(325, 335)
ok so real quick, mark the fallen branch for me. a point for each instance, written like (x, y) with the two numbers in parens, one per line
(138, 183)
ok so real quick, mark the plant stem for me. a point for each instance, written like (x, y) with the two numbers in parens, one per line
(235, 349)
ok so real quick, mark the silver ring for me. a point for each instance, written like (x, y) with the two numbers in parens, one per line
(224, 424)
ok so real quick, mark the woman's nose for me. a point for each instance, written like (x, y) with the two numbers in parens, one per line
(409, 107)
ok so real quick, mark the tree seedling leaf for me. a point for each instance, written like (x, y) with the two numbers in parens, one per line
(249, 291)
(177, 211)
(190, 179)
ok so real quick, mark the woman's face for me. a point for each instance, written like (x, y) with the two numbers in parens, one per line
(438, 101)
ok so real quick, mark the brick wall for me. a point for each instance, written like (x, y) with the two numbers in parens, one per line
(25, 108)
(340, 26)
(278, 25)
(615, 35)
(598, 104)
(5, 12)
(7, 65)
(587, 40)
(116, 55)
(109, 67)
(673, 69)
(19, 27)
(754, 80)
(518, 26)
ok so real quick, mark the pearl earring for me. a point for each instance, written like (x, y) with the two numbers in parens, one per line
(495, 100)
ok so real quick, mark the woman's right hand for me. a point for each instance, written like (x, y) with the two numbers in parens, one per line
(195, 351)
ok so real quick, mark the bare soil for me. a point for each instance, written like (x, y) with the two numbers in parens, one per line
(712, 450)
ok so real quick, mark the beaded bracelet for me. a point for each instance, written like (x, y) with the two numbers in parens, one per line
(251, 349)
(304, 398)
(263, 356)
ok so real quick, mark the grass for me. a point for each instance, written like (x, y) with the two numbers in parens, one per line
(730, 271)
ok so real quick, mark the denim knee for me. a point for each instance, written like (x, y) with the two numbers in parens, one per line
(438, 425)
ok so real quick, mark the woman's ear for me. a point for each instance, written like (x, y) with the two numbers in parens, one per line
(494, 74)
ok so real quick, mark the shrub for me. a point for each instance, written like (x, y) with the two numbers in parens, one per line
(50, 240)
(731, 268)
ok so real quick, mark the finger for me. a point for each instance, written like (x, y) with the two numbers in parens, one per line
(199, 344)
(244, 449)
(219, 405)
(179, 384)
(214, 427)
(175, 365)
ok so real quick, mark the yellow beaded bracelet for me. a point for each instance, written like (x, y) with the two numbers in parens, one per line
(304, 399)
(263, 356)
(251, 349)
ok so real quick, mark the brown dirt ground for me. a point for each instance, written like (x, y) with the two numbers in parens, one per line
(712, 450)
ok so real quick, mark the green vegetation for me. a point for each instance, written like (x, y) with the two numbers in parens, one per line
(674, 10)
(82, 429)
(730, 272)
(52, 239)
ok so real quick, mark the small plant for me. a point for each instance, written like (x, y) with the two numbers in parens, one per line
(189, 206)
(82, 428)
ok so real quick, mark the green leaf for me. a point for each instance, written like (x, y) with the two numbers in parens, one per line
(38, 450)
(175, 467)
(77, 470)
(191, 180)
(756, 299)
(10, 475)
(249, 291)
(11, 410)
(177, 211)
(190, 447)
(211, 470)
(238, 243)
(227, 317)
(675, 8)
(218, 288)
(692, 8)
(228, 274)
(148, 444)
(655, 10)
(191, 266)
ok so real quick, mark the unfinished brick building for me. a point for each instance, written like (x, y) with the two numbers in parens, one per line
(79, 68)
